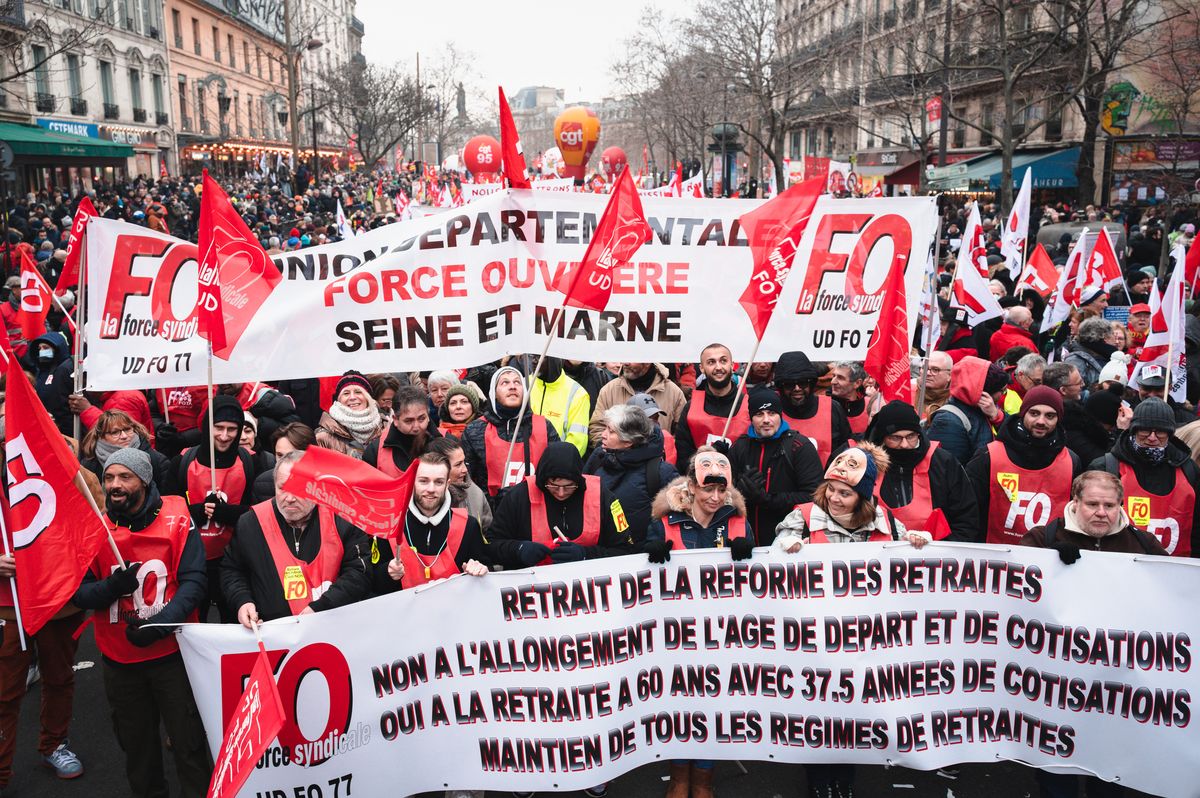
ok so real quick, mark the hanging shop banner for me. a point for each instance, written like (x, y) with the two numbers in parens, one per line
(472, 284)
(564, 677)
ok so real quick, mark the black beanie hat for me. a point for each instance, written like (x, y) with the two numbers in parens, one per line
(351, 378)
(761, 398)
(227, 408)
(1104, 407)
(895, 416)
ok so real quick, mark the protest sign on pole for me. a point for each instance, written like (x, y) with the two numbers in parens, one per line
(473, 284)
(566, 676)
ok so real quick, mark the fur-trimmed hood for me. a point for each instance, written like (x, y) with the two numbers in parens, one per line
(676, 498)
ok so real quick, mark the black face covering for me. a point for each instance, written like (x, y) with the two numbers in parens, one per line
(552, 369)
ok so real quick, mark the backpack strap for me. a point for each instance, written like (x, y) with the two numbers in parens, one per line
(653, 477)
(1111, 465)
(957, 413)
(1050, 534)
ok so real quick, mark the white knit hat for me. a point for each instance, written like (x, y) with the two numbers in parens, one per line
(1116, 369)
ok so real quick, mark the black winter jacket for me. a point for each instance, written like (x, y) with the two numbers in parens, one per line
(625, 472)
(948, 485)
(790, 469)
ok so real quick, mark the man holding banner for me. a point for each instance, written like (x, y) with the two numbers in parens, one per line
(290, 556)
(137, 606)
(703, 422)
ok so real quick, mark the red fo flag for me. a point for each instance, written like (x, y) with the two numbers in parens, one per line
(510, 147)
(887, 353)
(621, 231)
(53, 532)
(1103, 268)
(1040, 274)
(357, 491)
(254, 725)
(774, 230)
(70, 271)
(236, 275)
(35, 300)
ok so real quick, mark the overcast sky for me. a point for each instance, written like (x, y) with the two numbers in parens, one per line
(514, 43)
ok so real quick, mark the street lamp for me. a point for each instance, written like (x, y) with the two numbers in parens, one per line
(312, 46)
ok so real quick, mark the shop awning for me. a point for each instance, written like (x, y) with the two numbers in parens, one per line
(1051, 169)
(31, 141)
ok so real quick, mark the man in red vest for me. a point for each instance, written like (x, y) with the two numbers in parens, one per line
(162, 581)
(815, 416)
(486, 439)
(846, 387)
(1159, 477)
(291, 557)
(708, 407)
(406, 436)
(436, 540)
(1023, 478)
(216, 513)
(558, 516)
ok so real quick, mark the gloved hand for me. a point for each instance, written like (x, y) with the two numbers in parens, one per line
(166, 436)
(136, 632)
(741, 548)
(124, 581)
(753, 485)
(659, 551)
(1067, 552)
(531, 553)
(722, 446)
(568, 552)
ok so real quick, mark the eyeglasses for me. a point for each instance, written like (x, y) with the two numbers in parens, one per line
(120, 433)
(562, 487)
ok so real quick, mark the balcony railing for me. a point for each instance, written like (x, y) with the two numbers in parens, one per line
(161, 118)
(45, 102)
(139, 114)
(78, 106)
(112, 111)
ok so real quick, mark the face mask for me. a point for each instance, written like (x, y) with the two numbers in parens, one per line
(1152, 454)
(45, 356)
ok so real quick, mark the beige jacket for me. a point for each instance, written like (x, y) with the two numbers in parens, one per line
(667, 395)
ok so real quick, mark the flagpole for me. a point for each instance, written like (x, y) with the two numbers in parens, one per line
(12, 581)
(81, 484)
(525, 394)
(81, 306)
(930, 320)
(212, 438)
(741, 386)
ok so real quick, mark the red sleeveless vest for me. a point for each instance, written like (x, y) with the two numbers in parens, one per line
(818, 429)
(501, 474)
(707, 428)
(736, 528)
(1020, 499)
(418, 569)
(231, 482)
(1169, 517)
(303, 582)
(915, 514)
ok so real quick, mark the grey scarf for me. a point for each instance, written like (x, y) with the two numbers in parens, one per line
(105, 450)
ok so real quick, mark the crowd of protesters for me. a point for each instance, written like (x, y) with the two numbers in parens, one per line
(608, 459)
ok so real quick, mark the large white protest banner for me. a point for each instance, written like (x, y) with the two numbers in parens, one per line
(472, 284)
(563, 677)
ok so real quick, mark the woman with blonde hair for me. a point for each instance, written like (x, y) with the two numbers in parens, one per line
(113, 431)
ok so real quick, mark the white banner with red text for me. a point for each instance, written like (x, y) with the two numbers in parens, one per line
(472, 284)
(564, 677)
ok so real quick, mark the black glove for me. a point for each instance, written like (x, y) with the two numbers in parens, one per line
(722, 446)
(531, 553)
(753, 485)
(1067, 552)
(167, 440)
(659, 551)
(568, 552)
(124, 581)
(741, 548)
(137, 633)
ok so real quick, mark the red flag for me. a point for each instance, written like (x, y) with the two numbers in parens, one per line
(510, 147)
(70, 272)
(54, 534)
(1103, 268)
(254, 725)
(1191, 265)
(1040, 274)
(357, 491)
(774, 230)
(937, 525)
(236, 275)
(621, 231)
(35, 300)
(887, 353)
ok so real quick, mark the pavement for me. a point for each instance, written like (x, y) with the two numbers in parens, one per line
(93, 741)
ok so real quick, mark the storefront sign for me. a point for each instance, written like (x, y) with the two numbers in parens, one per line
(69, 127)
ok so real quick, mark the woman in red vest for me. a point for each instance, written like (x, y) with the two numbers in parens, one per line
(700, 511)
(844, 510)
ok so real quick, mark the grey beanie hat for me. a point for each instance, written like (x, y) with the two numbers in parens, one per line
(135, 460)
(1153, 413)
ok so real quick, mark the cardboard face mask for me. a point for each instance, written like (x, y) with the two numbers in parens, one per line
(712, 467)
(848, 467)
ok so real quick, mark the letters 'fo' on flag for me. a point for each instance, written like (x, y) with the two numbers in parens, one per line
(510, 147)
(774, 230)
(362, 494)
(54, 534)
(887, 352)
(254, 725)
(236, 274)
(69, 276)
(622, 229)
(1040, 274)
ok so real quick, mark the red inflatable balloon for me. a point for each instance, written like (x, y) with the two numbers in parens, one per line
(482, 155)
(613, 160)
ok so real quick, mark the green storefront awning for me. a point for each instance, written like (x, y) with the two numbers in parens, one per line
(31, 140)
